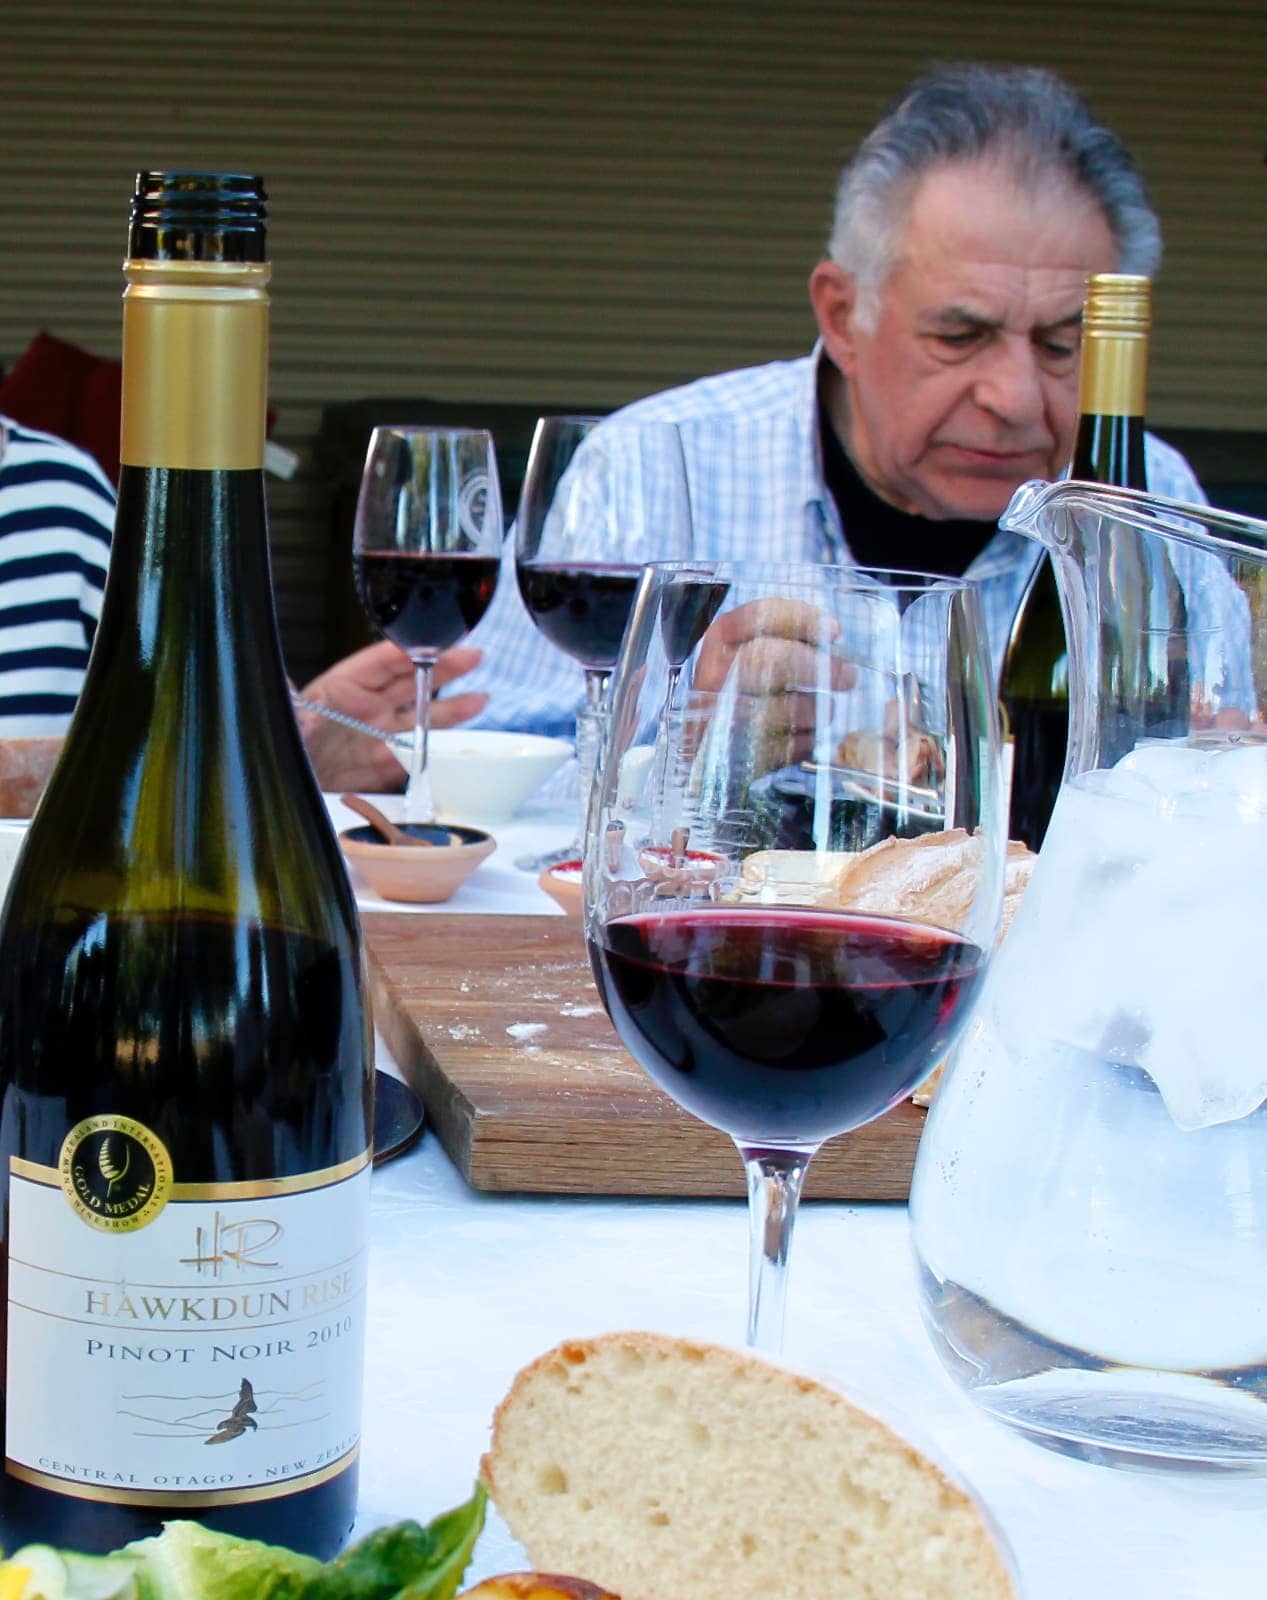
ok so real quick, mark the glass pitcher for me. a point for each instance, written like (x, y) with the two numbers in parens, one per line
(1089, 1206)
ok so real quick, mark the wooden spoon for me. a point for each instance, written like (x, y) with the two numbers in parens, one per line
(378, 821)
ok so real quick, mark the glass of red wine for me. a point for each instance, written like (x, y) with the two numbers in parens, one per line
(426, 548)
(793, 755)
(598, 503)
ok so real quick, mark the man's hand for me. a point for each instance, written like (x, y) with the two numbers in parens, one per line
(376, 685)
(769, 647)
(775, 650)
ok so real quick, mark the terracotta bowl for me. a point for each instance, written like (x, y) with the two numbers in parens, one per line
(424, 874)
(562, 882)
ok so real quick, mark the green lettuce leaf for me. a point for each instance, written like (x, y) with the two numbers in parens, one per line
(405, 1561)
(189, 1562)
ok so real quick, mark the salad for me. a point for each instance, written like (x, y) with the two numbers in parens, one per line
(404, 1561)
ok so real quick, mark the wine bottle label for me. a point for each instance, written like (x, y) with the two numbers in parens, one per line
(175, 1344)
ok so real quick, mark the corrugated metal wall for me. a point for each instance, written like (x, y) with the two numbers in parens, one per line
(550, 202)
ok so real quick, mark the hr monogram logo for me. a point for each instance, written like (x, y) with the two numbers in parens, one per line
(239, 1244)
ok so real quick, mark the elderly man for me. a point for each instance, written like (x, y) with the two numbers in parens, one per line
(945, 372)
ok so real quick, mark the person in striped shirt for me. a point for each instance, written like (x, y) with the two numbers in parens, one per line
(945, 373)
(56, 515)
(56, 521)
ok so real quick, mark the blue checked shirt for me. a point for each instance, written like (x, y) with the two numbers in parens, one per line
(755, 469)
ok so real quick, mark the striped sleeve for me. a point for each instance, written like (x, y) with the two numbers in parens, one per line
(56, 519)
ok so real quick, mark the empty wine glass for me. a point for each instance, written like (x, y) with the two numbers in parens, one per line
(596, 507)
(751, 950)
(426, 548)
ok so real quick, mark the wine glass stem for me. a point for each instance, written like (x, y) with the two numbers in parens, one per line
(596, 681)
(774, 1178)
(419, 806)
(660, 784)
(589, 737)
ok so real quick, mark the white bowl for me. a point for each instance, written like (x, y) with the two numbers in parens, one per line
(481, 776)
(12, 836)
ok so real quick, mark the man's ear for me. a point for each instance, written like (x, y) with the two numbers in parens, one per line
(833, 294)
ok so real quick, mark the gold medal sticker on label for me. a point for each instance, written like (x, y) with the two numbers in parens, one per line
(115, 1172)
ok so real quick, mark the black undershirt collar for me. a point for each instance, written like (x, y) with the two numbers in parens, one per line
(879, 535)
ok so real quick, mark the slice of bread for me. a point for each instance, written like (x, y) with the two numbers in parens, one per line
(667, 1469)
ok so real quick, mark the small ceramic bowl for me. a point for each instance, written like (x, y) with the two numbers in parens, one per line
(425, 873)
(562, 882)
(482, 776)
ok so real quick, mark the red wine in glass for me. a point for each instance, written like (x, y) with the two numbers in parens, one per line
(687, 612)
(581, 608)
(784, 1026)
(424, 602)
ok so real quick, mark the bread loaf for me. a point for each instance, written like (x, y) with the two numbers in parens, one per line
(932, 878)
(667, 1469)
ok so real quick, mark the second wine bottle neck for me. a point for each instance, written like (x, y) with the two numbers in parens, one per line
(1112, 399)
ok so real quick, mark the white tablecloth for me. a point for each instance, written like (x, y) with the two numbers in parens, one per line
(466, 1288)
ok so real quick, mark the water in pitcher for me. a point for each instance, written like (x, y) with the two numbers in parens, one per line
(1089, 1205)
(1105, 1130)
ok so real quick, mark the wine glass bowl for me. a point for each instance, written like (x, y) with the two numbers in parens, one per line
(598, 503)
(425, 553)
(754, 947)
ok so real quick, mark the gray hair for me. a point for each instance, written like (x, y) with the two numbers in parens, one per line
(1027, 117)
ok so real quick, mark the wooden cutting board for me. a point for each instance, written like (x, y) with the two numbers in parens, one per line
(496, 1022)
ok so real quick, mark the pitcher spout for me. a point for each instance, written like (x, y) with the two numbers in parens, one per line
(1028, 512)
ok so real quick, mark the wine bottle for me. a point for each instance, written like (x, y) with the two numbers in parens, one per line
(185, 1057)
(1108, 448)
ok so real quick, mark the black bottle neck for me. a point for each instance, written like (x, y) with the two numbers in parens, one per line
(1110, 449)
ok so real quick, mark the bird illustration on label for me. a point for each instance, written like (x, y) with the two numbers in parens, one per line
(239, 1419)
(207, 1417)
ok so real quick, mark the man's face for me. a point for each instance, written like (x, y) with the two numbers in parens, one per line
(967, 383)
